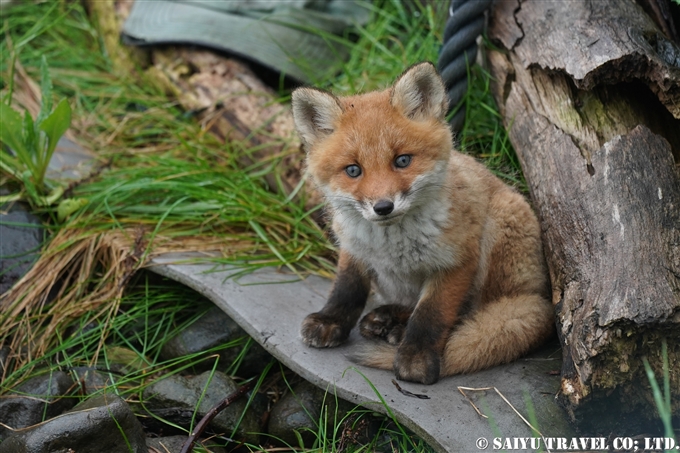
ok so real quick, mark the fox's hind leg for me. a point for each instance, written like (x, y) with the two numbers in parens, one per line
(387, 322)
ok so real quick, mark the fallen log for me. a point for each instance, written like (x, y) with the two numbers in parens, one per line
(590, 94)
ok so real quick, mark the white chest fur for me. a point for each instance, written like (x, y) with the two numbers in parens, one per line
(401, 255)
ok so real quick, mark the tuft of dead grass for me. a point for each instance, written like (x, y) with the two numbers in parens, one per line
(80, 273)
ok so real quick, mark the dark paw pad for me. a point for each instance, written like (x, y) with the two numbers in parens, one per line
(322, 331)
(387, 322)
(416, 364)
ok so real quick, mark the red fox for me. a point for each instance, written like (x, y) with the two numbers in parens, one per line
(453, 252)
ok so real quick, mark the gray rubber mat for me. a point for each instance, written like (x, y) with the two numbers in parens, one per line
(296, 38)
(271, 308)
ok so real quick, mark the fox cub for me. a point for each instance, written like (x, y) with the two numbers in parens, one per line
(454, 254)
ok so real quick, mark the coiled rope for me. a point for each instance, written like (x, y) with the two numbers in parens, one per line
(465, 24)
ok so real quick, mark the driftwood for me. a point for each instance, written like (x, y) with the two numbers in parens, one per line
(590, 93)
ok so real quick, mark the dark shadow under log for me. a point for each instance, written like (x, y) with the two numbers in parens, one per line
(591, 108)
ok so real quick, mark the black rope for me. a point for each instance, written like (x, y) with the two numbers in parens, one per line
(465, 24)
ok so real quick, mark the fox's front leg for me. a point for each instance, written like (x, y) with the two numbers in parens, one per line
(331, 326)
(419, 355)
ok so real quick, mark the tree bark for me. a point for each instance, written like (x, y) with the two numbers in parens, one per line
(590, 94)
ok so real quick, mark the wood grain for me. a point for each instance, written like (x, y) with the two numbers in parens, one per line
(591, 108)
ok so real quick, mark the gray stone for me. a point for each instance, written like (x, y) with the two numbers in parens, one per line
(213, 329)
(102, 424)
(70, 161)
(35, 400)
(21, 235)
(93, 381)
(21, 232)
(270, 304)
(168, 444)
(173, 444)
(185, 393)
(301, 410)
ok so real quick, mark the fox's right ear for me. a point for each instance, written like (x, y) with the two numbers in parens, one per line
(315, 113)
(420, 93)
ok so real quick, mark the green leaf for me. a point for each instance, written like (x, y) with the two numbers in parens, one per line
(54, 126)
(11, 165)
(45, 90)
(11, 132)
(29, 137)
(54, 195)
(10, 91)
(10, 198)
(69, 206)
(30, 187)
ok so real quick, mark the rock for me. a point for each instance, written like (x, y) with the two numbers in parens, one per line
(124, 361)
(20, 230)
(70, 161)
(185, 392)
(213, 329)
(173, 444)
(168, 444)
(301, 410)
(30, 408)
(22, 235)
(101, 424)
(93, 381)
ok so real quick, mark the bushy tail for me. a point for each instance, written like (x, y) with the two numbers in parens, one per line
(376, 354)
(500, 332)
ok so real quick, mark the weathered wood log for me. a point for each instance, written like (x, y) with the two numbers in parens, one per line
(590, 93)
(230, 100)
(236, 106)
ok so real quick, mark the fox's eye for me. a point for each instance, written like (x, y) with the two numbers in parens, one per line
(353, 171)
(402, 161)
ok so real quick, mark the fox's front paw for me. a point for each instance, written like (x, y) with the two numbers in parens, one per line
(416, 364)
(323, 331)
(387, 322)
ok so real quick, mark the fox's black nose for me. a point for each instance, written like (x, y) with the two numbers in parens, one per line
(383, 207)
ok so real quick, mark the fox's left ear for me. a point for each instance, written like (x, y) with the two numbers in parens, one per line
(315, 113)
(420, 93)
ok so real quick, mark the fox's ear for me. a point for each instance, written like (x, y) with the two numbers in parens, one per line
(420, 93)
(315, 113)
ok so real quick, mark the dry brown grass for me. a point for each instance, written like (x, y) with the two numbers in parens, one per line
(79, 273)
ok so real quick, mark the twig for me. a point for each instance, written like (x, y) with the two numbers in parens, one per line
(411, 394)
(7, 427)
(460, 389)
(188, 446)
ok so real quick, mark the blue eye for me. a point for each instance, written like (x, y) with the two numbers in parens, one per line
(353, 171)
(402, 161)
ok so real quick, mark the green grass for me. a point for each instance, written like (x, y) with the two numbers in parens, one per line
(166, 178)
(662, 399)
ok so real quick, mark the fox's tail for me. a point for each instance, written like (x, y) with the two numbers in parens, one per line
(499, 332)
